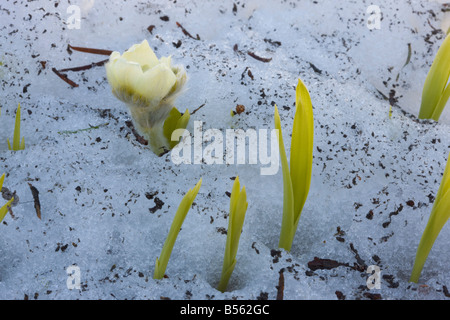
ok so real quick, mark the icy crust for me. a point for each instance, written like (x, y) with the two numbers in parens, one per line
(107, 201)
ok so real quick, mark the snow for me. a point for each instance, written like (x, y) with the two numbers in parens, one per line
(107, 201)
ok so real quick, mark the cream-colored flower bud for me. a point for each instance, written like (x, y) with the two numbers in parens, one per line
(148, 86)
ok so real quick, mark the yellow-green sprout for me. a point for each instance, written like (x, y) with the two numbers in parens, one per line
(17, 144)
(438, 217)
(238, 207)
(436, 92)
(297, 175)
(175, 121)
(162, 261)
(4, 209)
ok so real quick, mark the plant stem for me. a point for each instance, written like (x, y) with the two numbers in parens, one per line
(225, 278)
(156, 139)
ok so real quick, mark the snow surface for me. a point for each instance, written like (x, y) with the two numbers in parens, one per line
(107, 201)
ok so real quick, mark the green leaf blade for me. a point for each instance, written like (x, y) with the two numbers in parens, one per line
(301, 149)
(287, 232)
(175, 121)
(435, 83)
(181, 124)
(441, 104)
(440, 213)
(238, 208)
(16, 138)
(4, 208)
(180, 215)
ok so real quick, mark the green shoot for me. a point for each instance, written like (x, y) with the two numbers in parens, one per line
(238, 207)
(440, 213)
(408, 60)
(188, 199)
(297, 177)
(435, 90)
(85, 129)
(17, 144)
(175, 121)
(4, 209)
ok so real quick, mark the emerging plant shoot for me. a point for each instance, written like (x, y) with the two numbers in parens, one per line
(162, 261)
(175, 121)
(436, 90)
(17, 144)
(297, 174)
(238, 208)
(438, 217)
(4, 208)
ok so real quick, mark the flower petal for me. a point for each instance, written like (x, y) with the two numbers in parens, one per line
(166, 60)
(181, 78)
(156, 83)
(127, 74)
(141, 54)
(110, 74)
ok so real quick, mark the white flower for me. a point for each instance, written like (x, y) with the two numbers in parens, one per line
(147, 85)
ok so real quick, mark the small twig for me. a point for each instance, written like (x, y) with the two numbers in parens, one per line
(243, 73)
(198, 108)
(316, 70)
(429, 23)
(177, 44)
(187, 33)
(139, 138)
(272, 42)
(253, 55)
(385, 97)
(280, 287)
(236, 49)
(361, 265)
(37, 204)
(11, 212)
(64, 77)
(91, 50)
(324, 264)
(81, 68)
(408, 60)
(86, 67)
(250, 74)
(445, 290)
